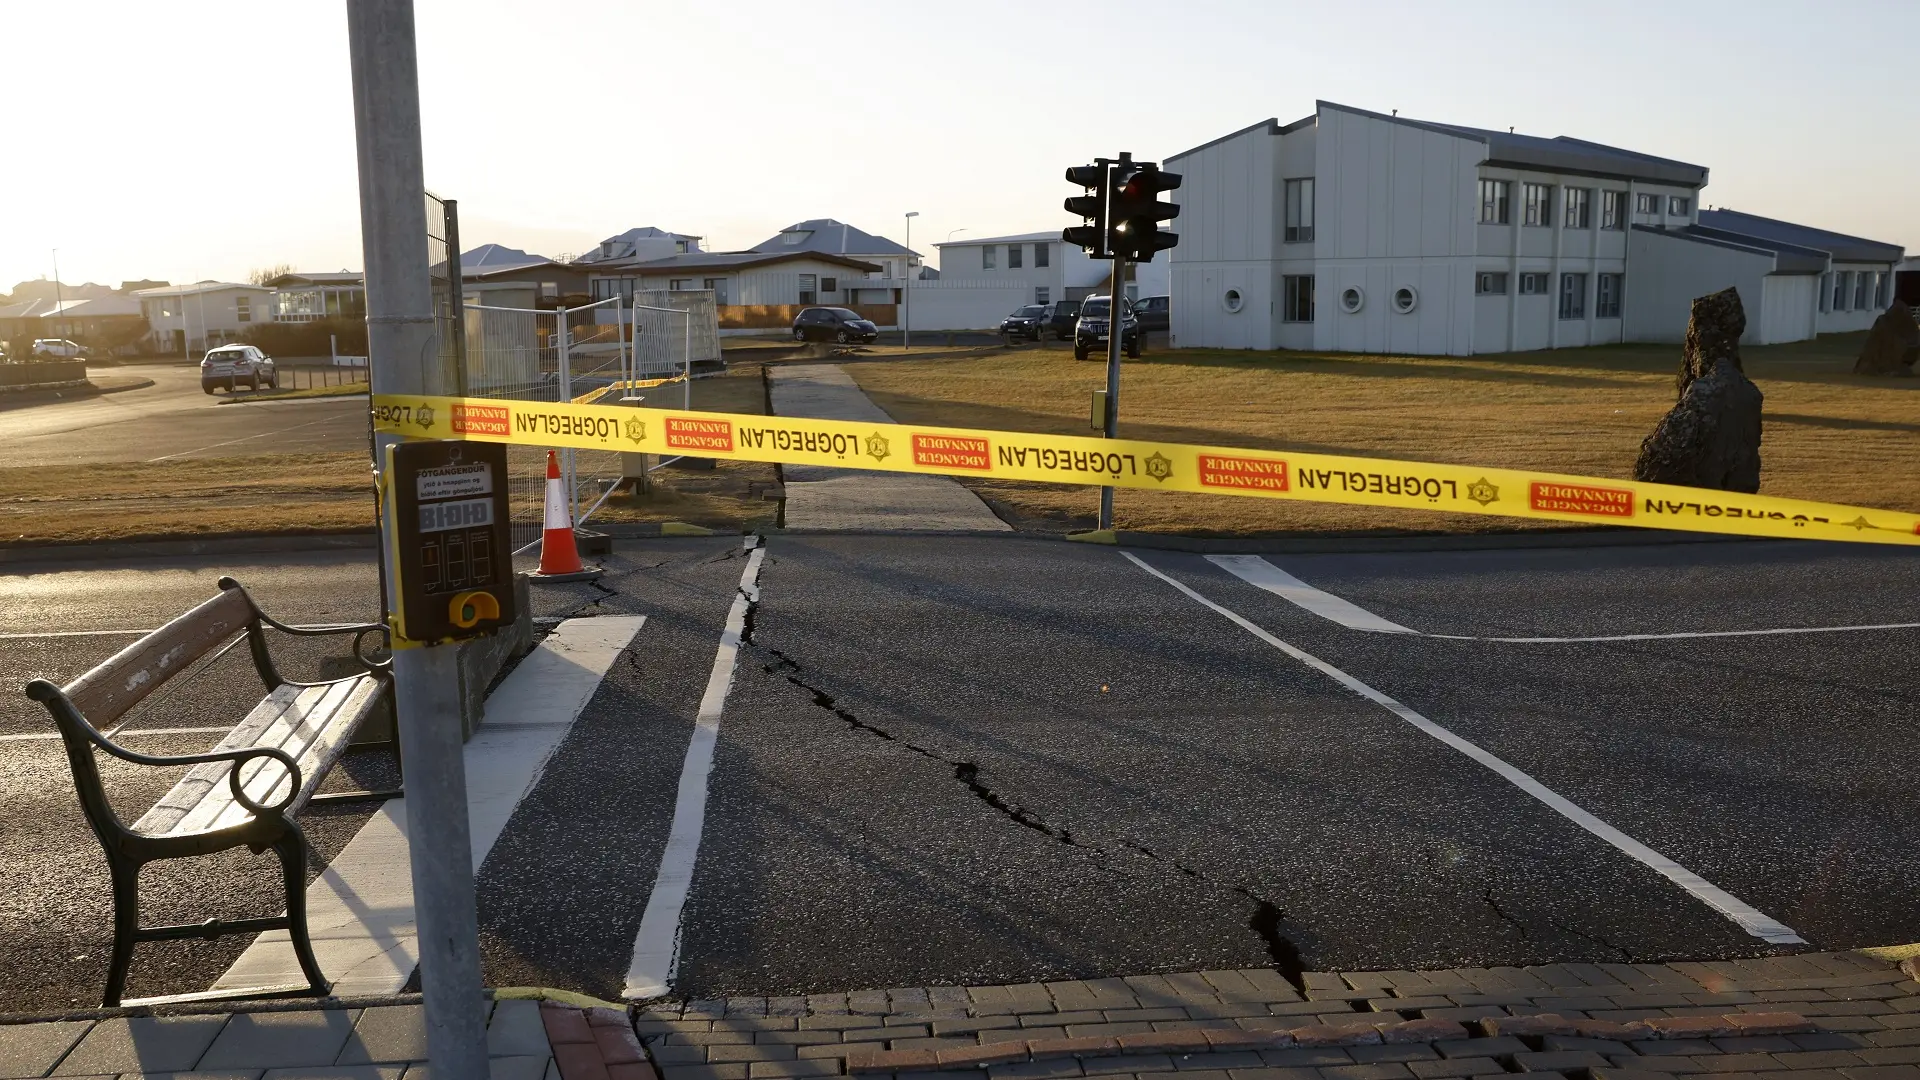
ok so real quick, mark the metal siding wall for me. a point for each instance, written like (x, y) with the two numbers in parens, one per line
(1226, 228)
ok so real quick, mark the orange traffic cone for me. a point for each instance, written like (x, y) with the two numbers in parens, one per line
(559, 555)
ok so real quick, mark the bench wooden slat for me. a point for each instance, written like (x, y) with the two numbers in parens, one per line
(312, 724)
(104, 694)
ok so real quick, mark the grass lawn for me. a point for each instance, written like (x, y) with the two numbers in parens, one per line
(1828, 434)
(333, 492)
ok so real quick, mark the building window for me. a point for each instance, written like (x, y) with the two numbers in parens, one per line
(986, 257)
(1014, 251)
(1490, 283)
(807, 294)
(1862, 283)
(1677, 206)
(1537, 199)
(1495, 197)
(1573, 296)
(1042, 254)
(1646, 204)
(1613, 209)
(1533, 284)
(1579, 208)
(1607, 305)
(1880, 290)
(1042, 294)
(242, 309)
(1840, 284)
(1298, 306)
(718, 286)
(679, 284)
(828, 284)
(1299, 198)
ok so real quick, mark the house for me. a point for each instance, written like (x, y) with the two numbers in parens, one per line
(825, 236)
(737, 277)
(105, 324)
(310, 297)
(192, 318)
(983, 279)
(645, 242)
(1855, 284)
(1358, 231)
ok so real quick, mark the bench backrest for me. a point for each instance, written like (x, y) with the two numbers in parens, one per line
(120, 682)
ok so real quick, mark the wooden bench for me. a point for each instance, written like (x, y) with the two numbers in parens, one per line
(245, 791)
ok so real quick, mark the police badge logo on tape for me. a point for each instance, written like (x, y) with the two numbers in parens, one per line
(1159, 466)
(637, 430)
(877, 448)
(424, 417)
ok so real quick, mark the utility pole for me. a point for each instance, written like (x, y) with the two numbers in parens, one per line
(403, 359)
(1116, 330)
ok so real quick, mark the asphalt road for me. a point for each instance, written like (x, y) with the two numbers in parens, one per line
(174, 418)
(1000, 759)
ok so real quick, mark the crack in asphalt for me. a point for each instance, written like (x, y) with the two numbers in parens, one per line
(1507, 917)
(1267, 916)
(1587, 935)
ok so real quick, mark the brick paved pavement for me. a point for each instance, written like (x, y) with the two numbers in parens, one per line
(1835, 1016)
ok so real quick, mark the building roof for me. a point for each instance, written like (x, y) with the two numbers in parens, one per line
(1016, 238)
(733, 260)
(620, 245)
(1562, 153)
(1786, 259)
(825, 235)
(1842, 247)
(330, 277)
(490, 257)
(198, 287)
(98, 307)
(25, 309)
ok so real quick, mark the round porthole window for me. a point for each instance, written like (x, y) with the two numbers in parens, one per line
(1233, 301)
(1405, 299)
(1352, 299)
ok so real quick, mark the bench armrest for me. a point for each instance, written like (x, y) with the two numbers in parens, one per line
(358, 630)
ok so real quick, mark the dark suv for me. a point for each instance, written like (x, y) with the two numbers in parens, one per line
(1061, 315)
(1154, 313)
(1029, 322)
(1090, 332)
(833, 324)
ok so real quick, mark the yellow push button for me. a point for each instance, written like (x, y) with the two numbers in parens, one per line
(468, 608)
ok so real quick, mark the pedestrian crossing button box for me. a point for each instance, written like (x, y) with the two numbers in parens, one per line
(452, 553)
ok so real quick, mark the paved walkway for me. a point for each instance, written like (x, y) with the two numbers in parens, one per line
(1836, 1016)
(822, 498)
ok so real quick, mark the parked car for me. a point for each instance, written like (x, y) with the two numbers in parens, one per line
(1154, 313)
(833, 324)
(231, 365)
(1029, 322)
(1061, 318)
(1090, 332)
(57, 349)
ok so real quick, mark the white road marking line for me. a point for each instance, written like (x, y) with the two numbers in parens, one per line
(360, 909)
(39, 736)
(1748, 918)
(1255, 570)
(656, 948)
(243, 438)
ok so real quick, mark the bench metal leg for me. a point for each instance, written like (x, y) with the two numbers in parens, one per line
(126, 928)
(292, 849)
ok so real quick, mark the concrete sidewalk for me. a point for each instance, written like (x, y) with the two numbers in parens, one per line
(823, 498)
(1836, 1016)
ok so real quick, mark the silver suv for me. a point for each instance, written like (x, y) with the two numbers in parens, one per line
(231, 365)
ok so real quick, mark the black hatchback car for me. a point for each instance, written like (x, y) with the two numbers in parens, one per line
(833, 324)
(1029, 322)
(1155, 313)
(1061, 318)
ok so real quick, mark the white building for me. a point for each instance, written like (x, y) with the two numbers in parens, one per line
(984, 279)
(735, 278)
(1354, 231)
(193, 318)
(825, 236)
(310, 297)
(645, 242)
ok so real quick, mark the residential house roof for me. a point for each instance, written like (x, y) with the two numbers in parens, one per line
(1016, 238)
(621, 245)
(98, 307)
(198, 287)
(1561, 153)
(490, 257)
(825, 235)
(1842, 247)
(25, 309)
(734, 260)
(329, 277)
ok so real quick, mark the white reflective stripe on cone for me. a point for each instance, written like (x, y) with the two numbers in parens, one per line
(557, 515)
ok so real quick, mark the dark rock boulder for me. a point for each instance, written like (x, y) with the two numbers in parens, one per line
(1714, 325)
(1892, 345)
(1711, 437)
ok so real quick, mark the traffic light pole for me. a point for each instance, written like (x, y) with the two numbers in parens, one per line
(1116, 329)
(403, 360)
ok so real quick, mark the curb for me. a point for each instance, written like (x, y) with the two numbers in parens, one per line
(216, 1008)
(45, 394)
(291, 397)
(558, 997)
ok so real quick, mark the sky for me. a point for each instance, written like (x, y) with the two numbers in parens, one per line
(200, 139)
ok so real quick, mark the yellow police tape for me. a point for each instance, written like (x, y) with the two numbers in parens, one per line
(1134, 463)
(592, 396)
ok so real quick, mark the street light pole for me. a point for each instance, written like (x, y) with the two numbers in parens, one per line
(906, 332)
(402, 359)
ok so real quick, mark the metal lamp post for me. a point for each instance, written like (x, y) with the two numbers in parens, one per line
(906, 331)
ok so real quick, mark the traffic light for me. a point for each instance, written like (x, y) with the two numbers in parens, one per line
(1093, 236)
(1136, 212)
